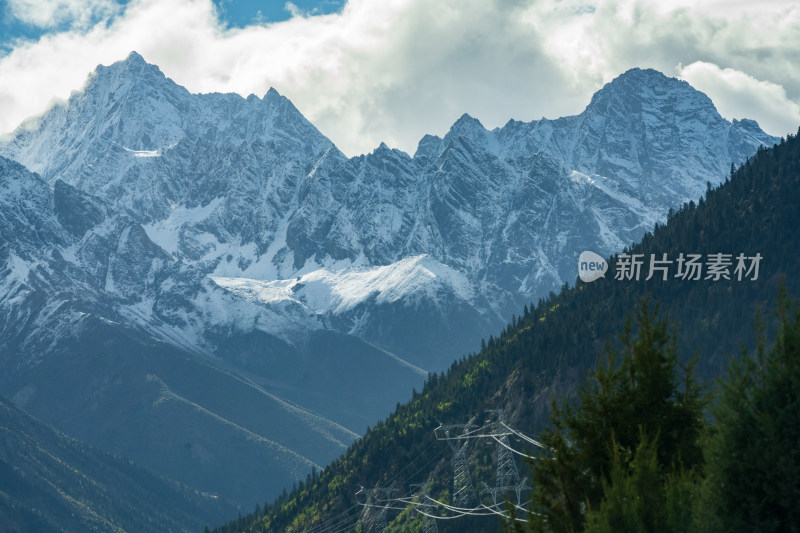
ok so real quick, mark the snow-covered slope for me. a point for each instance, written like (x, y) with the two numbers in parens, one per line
(324, 291)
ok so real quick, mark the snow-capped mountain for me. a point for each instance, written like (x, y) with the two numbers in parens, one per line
(232, 233)
(248, 188)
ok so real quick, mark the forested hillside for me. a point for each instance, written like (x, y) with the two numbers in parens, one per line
(545, 353)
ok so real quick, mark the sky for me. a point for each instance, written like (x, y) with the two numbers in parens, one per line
(372, 71)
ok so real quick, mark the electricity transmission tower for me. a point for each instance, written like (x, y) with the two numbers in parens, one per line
(418, 492)
(507, 477)
(376, 508)
(465, 500)
(457, 437)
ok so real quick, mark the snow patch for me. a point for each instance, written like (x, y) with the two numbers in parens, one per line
(325, 291)
(166, 233)
(143, 153)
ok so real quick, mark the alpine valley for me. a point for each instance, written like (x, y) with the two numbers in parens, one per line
(205, 284)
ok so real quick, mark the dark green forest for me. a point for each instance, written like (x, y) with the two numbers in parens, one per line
(640, 450)
(543, 357)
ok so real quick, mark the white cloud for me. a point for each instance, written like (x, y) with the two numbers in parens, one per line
(50, 13)
(393, 70)
(737, 95)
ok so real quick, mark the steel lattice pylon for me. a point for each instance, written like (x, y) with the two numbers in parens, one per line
(506, 474)
(506, 471)
(465, 500)
(377, 498)
(420, 490)
(463, 492)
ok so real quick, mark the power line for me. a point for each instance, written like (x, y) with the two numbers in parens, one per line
(344, 516)
(458, 438)
(379, 521)
(428, 523)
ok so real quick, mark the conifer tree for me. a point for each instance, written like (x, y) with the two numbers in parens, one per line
(754, 458)
(639, 398)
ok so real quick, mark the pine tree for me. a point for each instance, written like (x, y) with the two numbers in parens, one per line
(632, 493)
(634, 397)
(638, 497)
(754, 459)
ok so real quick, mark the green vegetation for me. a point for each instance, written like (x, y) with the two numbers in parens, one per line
(638, 417)
(754, 450)
(627, 457)
(544, 354)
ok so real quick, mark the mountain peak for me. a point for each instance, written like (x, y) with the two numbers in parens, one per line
(747, 124)
(132, 69)
(134, 58)
(468, 120)
(644, 73)
(637, 78)
(428, 146)
(647, 88)
(467, 126)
